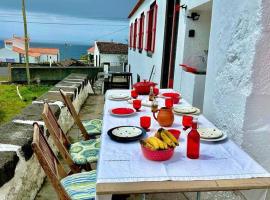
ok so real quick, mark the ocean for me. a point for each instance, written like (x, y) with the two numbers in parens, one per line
(66, 50)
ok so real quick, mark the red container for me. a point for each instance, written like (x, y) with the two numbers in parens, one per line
(176, 133)
(143, 88)
(158, 155)
(175, 96)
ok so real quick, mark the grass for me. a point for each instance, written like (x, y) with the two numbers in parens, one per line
(3, 78)
(11, 104)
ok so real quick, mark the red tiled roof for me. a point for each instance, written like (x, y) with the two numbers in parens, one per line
(22, 51)
(91, 50)
(112, 48)
(50, 51)
(36, 52)
(22, 39)
(138, 4)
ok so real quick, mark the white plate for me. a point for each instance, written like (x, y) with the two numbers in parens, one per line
(127, 132)
(184, 109)
(224, 136)
(210, 133)
(144, 102)
(118, 97)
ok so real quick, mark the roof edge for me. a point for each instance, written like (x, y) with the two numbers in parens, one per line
(139, 3)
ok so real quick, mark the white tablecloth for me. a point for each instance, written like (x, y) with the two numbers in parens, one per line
(120, 162)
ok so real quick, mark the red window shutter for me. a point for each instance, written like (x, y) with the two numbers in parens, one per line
(135, 34)
(142, 32)
(130, 35)
(147, 30)
(139, 33)
(154, 28)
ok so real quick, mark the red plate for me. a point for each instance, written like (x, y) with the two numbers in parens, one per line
(122, 111)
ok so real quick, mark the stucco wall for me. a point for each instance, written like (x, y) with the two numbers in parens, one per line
(113, 59)
(141, 63)
(8, 54)
(46, 58)
(231, 53)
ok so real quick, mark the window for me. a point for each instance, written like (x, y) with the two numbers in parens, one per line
(151, 28)
(135, 34)
(130, 35)
(141, 32)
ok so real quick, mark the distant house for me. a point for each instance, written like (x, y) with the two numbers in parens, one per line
(110, 53)
(90, 53)
(14, 51)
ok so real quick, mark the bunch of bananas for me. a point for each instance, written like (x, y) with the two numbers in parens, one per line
(162, 140)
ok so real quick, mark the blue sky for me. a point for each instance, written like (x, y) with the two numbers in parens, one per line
(67, 21)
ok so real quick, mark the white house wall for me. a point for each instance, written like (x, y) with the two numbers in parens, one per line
(96, 56)
(141, 63)
(188, 47)
(8, 54)
(237, 92)
(46, 58)
(113, 59)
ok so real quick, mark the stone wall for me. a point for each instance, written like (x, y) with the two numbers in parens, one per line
(52, 74)
(20, 173)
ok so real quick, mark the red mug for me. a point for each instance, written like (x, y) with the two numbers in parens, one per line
(169, 102)
(187, 121)
(137, 104)
(145, 122)
(134, 94)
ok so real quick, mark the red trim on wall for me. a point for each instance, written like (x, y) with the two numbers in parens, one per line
(139, 3)
(135, 34)
(131, 36)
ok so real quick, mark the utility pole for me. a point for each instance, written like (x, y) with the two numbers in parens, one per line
(26, 43)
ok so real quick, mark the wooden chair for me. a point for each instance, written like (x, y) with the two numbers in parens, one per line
(78, 155)
(66, 187)
(89, 128)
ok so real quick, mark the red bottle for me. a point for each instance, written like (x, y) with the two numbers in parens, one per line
(193, 142)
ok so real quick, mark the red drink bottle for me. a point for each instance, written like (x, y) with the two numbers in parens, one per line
(193, 143)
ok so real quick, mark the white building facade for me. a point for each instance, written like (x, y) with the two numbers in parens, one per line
(110, 53)
(14, 51)
(230, 42)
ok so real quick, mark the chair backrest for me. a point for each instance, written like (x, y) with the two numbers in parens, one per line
(74, 114)
(59, 137)
(48, 161)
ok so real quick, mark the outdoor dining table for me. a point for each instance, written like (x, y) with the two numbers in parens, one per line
(122, 168)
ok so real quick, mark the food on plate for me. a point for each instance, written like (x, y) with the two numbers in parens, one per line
(162, 140)
(210, 133)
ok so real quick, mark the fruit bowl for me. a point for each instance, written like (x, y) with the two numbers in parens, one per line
(143, 88)
(175, 96)
(176, 133)
(157, 155)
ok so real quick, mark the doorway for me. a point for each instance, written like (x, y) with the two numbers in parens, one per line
(170, 41)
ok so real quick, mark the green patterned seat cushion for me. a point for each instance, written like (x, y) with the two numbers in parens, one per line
(80, 186)
(85, 151)
(93, 127)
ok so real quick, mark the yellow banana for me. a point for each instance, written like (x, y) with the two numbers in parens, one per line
(146, 144)
(160, 143)
(153, 142)
(171, 136)
(166, 139)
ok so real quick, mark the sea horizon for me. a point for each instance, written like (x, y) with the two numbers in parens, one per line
(67, 50)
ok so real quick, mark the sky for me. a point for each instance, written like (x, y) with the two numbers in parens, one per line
(67, 21)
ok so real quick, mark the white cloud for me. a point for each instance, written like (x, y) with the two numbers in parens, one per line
(44, 27)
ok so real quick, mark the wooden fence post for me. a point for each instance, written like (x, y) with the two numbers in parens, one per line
(9, 73)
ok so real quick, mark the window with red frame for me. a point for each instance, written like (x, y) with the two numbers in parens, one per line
(141, 32)
(130, 35)
(151, 28)
(135, 34)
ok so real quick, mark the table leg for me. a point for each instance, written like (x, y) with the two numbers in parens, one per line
(143, 196)
(104, 197)
(198, 196)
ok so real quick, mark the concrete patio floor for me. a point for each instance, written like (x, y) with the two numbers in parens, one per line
(93, 108)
